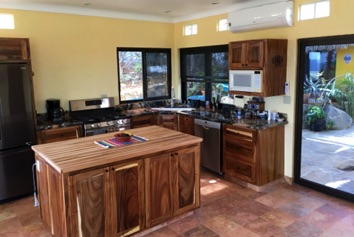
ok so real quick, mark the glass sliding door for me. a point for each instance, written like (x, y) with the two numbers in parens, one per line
(324, 136)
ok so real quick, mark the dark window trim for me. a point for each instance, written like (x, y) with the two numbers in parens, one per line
(207, 79)
(144, 51)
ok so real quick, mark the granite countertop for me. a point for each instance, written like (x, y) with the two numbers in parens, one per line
(221, 116)
(252, 123)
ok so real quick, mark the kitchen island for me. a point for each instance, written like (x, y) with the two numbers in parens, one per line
(88, 190)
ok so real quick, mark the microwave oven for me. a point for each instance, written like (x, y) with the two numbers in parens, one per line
(245, 80)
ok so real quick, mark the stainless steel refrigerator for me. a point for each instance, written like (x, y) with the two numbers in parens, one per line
(17, 130)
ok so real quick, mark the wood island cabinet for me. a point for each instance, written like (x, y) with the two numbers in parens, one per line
(172, 184)
(87, 190)
(108, 201)
(186, 124)
(59, 134)
(267, 55)
(253, 156)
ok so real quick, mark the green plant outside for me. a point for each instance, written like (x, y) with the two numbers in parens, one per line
(313, 113)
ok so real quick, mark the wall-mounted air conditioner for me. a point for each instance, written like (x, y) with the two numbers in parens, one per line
(261, 17)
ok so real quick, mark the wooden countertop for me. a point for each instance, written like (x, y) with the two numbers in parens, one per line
(82, 153)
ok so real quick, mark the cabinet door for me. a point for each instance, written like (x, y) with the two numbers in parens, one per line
(186, 177)
(59, 134)
(186, 124)
(246, 55)
(89, 201)
(158, 187)
(255, 51)
(14, 49)
(168, 121)
(128, 198)
(237, 55)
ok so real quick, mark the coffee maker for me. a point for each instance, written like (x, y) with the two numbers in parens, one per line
(54, 112)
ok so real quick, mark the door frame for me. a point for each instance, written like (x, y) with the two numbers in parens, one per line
(301, 44)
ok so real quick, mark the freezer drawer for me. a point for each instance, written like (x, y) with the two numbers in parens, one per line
(16, 172)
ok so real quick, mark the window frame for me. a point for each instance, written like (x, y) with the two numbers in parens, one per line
(144, 52)
(208, 79)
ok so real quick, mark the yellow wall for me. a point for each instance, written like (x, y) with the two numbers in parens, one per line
(342, 67)
(74, 57)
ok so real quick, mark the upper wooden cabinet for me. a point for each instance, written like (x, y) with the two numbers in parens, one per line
(59, 134)
(14, 49)
(268, 55)
(246, 55)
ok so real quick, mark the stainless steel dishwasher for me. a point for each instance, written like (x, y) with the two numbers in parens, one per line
(211, 146)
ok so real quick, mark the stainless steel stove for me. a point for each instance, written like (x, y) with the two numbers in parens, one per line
(98, 116)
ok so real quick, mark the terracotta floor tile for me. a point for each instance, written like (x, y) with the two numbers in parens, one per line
(227, 210)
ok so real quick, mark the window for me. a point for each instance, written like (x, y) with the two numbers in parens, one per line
(143, 74)
(223, 25)
(314, 10)
(191, 29)
(204, 73)
(7, 21)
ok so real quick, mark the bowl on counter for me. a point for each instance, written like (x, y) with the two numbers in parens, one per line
(123, 136)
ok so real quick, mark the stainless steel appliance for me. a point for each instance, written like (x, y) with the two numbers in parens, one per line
(210, 131)
(98, 115)
(17, 130)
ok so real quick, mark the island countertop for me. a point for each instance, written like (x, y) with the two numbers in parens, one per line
(82, 153)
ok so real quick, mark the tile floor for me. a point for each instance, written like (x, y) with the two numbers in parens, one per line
(321, 154)
(227, 209)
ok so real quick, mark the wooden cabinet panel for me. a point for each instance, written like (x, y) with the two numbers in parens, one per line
(158, 189)
(14, 49)
(242, 170)
(239, 142)
(168, 121)
(186, 124)
(246, 55)
(59, 134)
(128, 198)
(88, 200)
(143, 121)
(187, 179)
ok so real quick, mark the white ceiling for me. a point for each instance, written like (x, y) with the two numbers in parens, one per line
(154, 10)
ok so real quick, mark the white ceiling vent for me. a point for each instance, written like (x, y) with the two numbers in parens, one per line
(261, 17)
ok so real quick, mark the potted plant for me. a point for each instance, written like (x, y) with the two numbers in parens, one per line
(315, 118)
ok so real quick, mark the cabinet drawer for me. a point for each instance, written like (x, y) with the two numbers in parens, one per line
(242, 170)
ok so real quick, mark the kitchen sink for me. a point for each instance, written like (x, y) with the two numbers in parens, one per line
(172, 109)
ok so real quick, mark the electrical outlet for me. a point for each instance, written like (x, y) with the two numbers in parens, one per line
(287, 100)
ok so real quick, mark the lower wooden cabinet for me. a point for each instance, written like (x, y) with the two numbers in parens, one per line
(253, 156)
(108, 201)
(143, 121)
(59, 134)
(168, 121)
(172, 184)
(186, 124)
